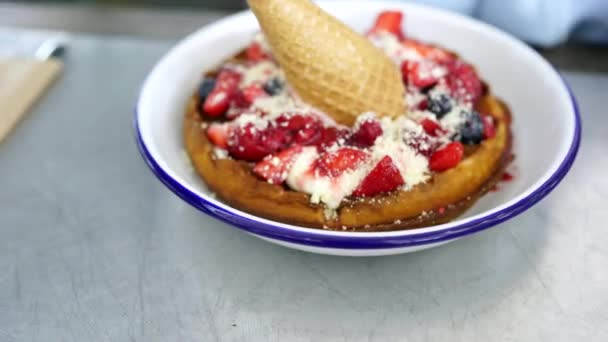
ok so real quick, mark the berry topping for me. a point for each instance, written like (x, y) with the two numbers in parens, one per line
(489, 129)
(255, 53)
(446, 157)
(423, 104)
(252, 92)
(335, 163)
(366, 133)
(422, 75)
(307, 136)
(431, 127)
(329, 136)
(389, 21)
(252, 144)
(295, 122)
(218, 100)
(423, 144)
(218, 134)
(471, 130)
(274, 168)
(428, 51)
(205, 88)
(273, 86)
(440, 105)
(238, 105)
(384, 177)
(280, 131)
(463, 82)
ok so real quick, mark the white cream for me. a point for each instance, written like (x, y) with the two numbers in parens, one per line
(323, 189)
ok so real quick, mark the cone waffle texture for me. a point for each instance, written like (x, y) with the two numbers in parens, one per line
(328, 64)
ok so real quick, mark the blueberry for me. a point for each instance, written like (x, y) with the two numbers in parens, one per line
(471, 130)
(205, 88)
(273, 86)
(440, 105)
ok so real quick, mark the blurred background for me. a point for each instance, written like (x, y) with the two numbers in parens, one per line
(572, 34)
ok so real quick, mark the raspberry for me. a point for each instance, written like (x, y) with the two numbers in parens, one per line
(366, 134)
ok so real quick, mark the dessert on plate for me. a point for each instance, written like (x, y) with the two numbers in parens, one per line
(317, 125)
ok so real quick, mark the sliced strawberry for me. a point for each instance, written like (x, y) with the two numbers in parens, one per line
(428, 52)
(431, 127)
(254, 91)
(274, 168)
(366, 134)
(335, 163)
(463, 82)
(420, 75)
(255, 53)
(489, 129)
(389, 21)
(384, 177)
(218, 101)
(447, 157)
(218, 134)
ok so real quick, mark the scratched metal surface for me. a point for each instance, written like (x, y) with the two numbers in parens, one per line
(93, 248)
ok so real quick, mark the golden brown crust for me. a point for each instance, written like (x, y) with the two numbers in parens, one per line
(444, 197)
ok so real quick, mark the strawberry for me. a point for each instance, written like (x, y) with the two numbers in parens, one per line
(489, 130)
(335, 163)
(389, 21)
(428, 51)
(255, 53)
(252, 92)
(431, 127)
(366, 134)
(274, 168)
(218, 100)
(419, 74)
(384, 177)
(218, 134)
(447, 157)
(463, 82)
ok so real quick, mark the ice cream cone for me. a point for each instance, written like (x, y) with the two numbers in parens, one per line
(328, 64)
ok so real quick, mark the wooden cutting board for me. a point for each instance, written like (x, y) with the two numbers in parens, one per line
(22, 82)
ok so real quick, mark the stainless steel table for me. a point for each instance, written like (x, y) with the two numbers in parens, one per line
(93, 248)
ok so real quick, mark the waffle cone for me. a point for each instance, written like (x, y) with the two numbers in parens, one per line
(328, 64)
